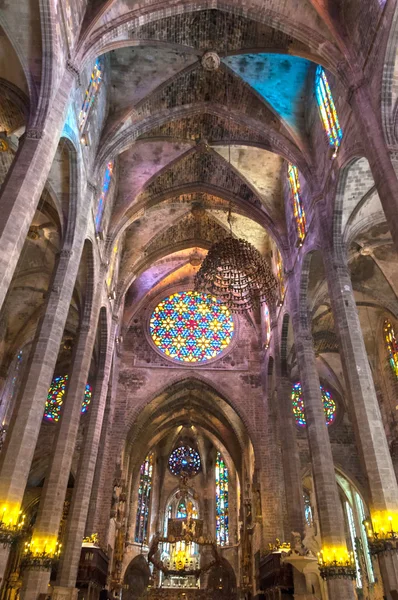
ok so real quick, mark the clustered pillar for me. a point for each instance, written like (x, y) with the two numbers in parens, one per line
(331, 519)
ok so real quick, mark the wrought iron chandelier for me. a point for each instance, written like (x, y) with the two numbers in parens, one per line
(235, 272)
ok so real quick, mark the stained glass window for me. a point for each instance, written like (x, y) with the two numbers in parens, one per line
(91, 93)
(105, 188)
(329, 405)
(298, 208)
(307, 508)
(181, 511)
(144, 497)
(191, 326)
(184, 458)
(56, 395)
(327, 109)
(222, 530)
(392, 346)
(353, 536)
(267, 326)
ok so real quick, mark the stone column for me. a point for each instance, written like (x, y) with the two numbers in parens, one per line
(25, 181)
(377, 153)
(56, 483)
(17, 454)
(98, 521)
(363, 406)
(269, 466)
(331, 519)
(77, 517)
(288, 434)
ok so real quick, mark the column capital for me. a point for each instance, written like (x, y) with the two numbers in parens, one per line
(74, 70)
(92, 187)
(34, 133)
(65, 253)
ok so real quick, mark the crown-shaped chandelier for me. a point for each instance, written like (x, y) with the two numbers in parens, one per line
(235, 272)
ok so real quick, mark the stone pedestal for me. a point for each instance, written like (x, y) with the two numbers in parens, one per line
(34, 583)
(308, 584)
(64, 593)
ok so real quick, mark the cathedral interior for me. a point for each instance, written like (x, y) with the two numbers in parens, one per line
(199, 299)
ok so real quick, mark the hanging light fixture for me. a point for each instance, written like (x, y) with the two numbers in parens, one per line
(235, 272)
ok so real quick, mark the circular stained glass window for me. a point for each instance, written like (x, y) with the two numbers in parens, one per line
(185, 459)
(191, 327)
(329, 405)
(55, 399)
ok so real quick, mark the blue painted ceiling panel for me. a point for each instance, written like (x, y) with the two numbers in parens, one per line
(280, 79)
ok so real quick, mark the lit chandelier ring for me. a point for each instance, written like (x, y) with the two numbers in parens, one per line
(235, 272)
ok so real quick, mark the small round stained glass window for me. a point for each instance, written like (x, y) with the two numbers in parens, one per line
(191, 327)
(184, 459)
(329, 405)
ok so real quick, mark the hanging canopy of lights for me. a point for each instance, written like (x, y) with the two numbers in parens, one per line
(235, 272)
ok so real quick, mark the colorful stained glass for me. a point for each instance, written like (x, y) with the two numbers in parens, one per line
(181, 511)
(56, 395)
(327, 109)
(392, 346)
(191, 326)
(184, 459)
(222, 529)
(144, 497)
(267, 326)
(105, 189)
(298, 209)
(307, 508)
(353, 536)
(91, 93)
(329, 405)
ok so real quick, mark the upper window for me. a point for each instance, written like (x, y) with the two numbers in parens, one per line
(91, 93)
(104, 192)
(222, 529)
(191, 327)
(267, 326)
(298, 208)
(184, 459)
(327, 109)
(392, 346)
(144, 497)
(55, 398)
(329, 405)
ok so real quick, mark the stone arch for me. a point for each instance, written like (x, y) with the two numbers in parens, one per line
(327, 52)
(136, 578)
(229, 413)
(29, 79)
(222, 577)
(277, 142)
(389, 84)
(355, 187)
